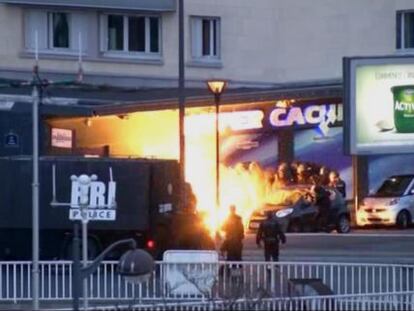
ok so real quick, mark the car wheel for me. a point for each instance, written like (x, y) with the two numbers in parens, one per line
(295, 227)
(403, 220)
(308, 228)
(344, 225)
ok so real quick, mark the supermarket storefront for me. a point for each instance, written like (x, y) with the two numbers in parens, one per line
(265, 131)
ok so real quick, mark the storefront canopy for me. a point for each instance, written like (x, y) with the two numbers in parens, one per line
(141, 5)
(88, 99)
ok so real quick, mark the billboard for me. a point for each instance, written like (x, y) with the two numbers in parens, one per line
(379, 105)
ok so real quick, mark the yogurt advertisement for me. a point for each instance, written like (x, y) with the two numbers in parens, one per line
(382, 107)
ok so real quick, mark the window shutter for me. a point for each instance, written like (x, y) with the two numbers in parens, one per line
(196, 37)
(36, 21)
(79, 27)
(218, 38)
(398, 31)
(103, 33)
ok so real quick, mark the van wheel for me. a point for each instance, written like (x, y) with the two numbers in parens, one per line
(343, 225)
(403, 220)
(93, 249)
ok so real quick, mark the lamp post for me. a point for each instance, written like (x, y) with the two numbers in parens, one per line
(217, 87)
(135, 265)
(35, 198)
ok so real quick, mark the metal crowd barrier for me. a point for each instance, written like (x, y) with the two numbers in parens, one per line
(363, 302)
(372, 302)
(206, 282)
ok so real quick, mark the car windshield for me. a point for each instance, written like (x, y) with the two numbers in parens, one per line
(394, 186)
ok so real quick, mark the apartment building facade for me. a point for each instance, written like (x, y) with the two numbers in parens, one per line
(260, 43)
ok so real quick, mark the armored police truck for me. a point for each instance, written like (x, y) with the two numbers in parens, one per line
(146, 206)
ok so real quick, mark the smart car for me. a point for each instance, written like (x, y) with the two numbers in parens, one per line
(296, 211)
(392, 204)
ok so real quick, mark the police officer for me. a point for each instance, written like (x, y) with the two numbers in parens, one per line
(323, 178)
(234, 235)
(283, 176)
(323, 202)
(336, 182)
(271, 233)
(302, 174)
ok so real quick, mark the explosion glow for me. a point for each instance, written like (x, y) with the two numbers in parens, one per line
(246, 187)
(155, 134)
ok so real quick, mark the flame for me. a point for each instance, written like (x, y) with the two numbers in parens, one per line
(247, 188)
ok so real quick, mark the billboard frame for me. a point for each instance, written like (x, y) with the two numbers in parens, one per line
(350, 65)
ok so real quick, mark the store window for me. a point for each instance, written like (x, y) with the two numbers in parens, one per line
(205, 32)
(55, 32)
(131, 35)
(405, 30)
(317, 149)
(245, 148)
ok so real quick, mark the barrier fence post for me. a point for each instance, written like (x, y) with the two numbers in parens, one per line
(76, 281)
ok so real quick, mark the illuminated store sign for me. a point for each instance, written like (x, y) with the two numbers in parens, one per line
(321, 115)
(234, 121)
(241, 120)
(62, 138)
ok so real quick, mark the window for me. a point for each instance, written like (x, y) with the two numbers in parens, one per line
(56, 31)
(205, 33)
(115, 33)
(131, 34)
(405, 30)
(59, 30)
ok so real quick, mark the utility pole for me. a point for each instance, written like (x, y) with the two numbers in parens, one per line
(181, 99)
(38, 85)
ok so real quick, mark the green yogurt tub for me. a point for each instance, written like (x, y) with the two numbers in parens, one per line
(403, 108)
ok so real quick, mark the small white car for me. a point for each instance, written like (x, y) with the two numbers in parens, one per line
(392, 204)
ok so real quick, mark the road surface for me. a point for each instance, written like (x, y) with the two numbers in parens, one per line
(373, 246)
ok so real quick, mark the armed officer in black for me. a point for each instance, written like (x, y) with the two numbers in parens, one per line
(271, 234)
(234, 230)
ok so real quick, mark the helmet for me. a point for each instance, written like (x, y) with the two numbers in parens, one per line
(269, 214)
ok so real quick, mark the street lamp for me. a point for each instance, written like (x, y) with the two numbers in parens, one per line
(217, 87)
(135, 265)
(35, 189)
(133, 272)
